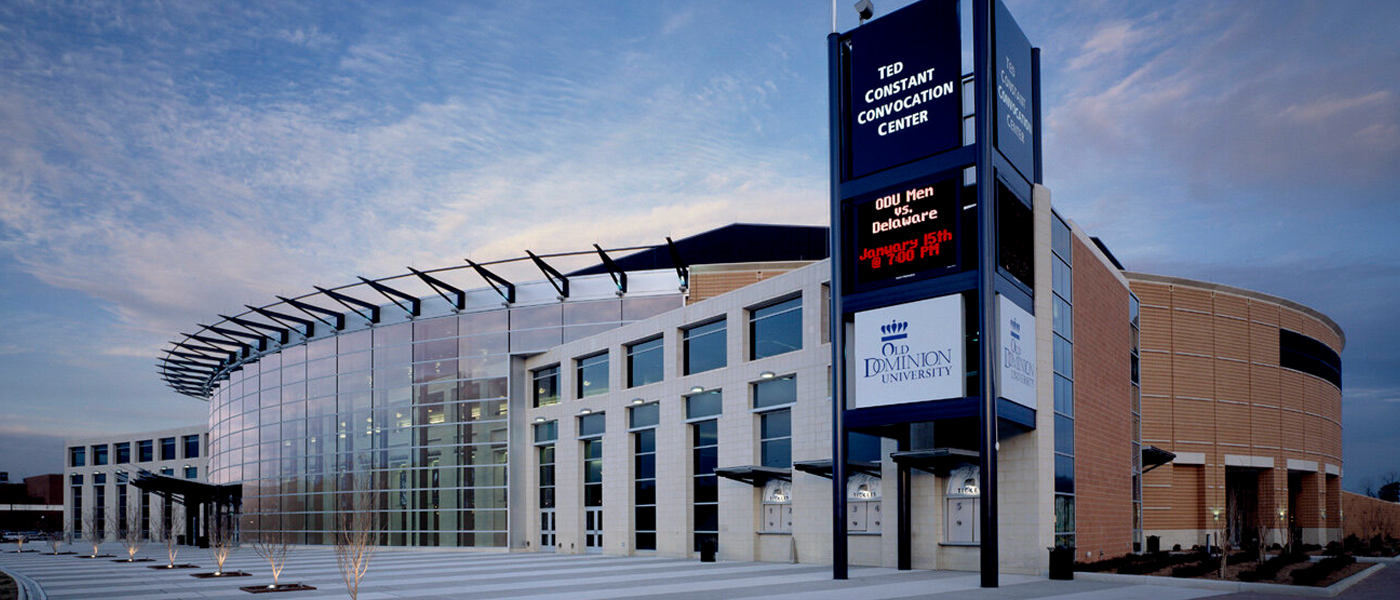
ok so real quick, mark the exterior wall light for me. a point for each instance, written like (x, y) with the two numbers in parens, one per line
(767, 375)
(697, 389)
(539, 419)
(638, 401)
(1216, 512)
(586, 411)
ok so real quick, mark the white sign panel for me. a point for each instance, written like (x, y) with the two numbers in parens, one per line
(1017, 353)
(909, 353)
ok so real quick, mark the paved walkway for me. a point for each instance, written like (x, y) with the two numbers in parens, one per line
(426, 573)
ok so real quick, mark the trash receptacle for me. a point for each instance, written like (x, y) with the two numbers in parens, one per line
(1154, 544)
(707, 550)
(1062, 562)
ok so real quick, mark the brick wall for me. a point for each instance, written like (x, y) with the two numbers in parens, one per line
(1366, 516)
(1102, 409)
(1213, 388)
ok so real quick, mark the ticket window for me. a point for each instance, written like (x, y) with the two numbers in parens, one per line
(777, 506)
(961, 514)
(863, 513)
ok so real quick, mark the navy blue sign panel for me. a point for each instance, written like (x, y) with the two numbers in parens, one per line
(904, 232)
(903, 100)
(1015, 131)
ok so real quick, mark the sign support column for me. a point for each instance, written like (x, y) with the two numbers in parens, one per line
(986, 294)
(839, 551)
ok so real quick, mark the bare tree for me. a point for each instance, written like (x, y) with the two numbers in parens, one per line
(20, 538)
(131, 537)
(56, 540)
(166, 534)
(273, 546)
(220, 541)
(95, 537)
(356, 537)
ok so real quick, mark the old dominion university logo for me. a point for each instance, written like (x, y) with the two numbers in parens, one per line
(899, 362)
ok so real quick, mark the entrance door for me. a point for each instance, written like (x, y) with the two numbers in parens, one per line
(547, 525)
(593, 528)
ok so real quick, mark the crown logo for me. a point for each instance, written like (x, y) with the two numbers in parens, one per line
(894, 331)
(1015, 329)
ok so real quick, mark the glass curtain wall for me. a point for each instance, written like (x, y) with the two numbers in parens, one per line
(420, 406)
(1063, 286)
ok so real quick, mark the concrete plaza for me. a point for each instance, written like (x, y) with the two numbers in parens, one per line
(428, 573)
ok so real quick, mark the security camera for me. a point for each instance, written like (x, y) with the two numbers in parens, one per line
(865, 9)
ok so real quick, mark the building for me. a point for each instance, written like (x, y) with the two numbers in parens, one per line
(99, 494)
(677, 397)
(34, 505)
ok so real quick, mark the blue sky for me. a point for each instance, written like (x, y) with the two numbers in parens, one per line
(161, 163)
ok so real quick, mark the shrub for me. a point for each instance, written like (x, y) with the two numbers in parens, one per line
(1195, 569)
(1242, 557)
(1316, 573)
(1271, 567)
(1176, 547)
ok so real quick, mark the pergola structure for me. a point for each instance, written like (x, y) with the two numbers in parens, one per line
(206, 504)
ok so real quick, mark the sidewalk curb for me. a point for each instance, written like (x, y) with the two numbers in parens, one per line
(28, 588)
(1236, 586)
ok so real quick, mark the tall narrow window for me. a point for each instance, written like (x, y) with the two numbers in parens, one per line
(702, 410)
(546, 386)
(643, 421)
(591, 428)
(76, 483)
(545, 435)
(776, 328)
(645, 362)
(1062, 285)
(592, 375)
(99, 505)
(704, 347)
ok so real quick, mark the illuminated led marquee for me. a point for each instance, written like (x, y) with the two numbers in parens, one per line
(905, 231)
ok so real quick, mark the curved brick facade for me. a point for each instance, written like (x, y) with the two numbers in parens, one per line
(1259, 442)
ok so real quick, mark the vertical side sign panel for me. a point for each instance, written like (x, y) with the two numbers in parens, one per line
(1014, 129)
(910, 352)
(904, 81)
(1017, 365)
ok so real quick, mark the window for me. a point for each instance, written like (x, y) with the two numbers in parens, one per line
(77, 506)
(704, 347)
(123, 452)
(644, 415)
(546, 386)
(705, 505)
(167, 471)
(776, 328)
(592, 376)
(167, 448)
(593, 425)
(192, 446)
(99, 455)
(645, 362)
(1062, 286)
(593, 492)
(775, 438)
(545, 435)
(77, 456)
(191, 472)
(703, 404)
(644, 482)
(145, 451)
(778, 391)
